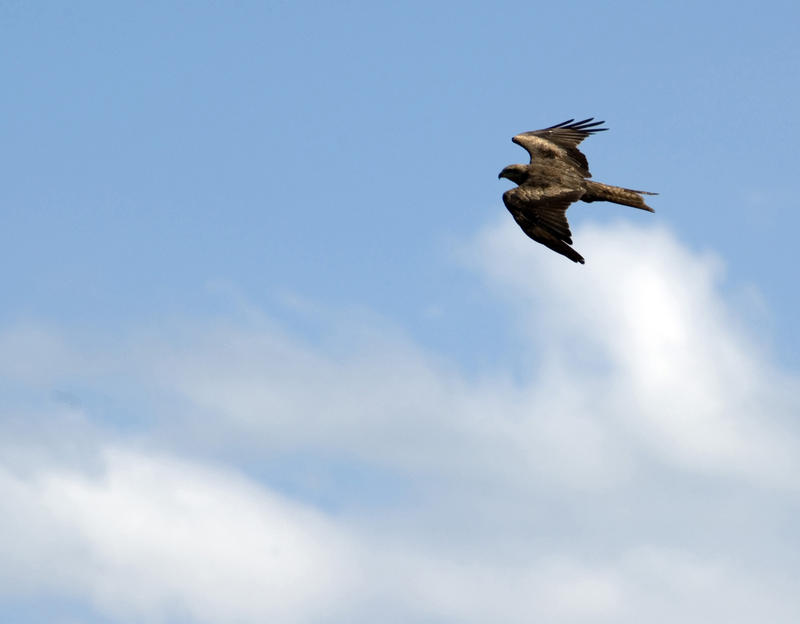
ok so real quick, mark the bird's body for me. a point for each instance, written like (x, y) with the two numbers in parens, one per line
(557, 176)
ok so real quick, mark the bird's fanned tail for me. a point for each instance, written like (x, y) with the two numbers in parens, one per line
(597, 191)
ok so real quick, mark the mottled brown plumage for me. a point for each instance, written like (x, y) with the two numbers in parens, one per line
(556, 177)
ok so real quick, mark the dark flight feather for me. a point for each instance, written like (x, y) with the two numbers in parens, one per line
(544, 220)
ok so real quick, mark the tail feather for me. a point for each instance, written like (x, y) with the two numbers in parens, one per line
(597, 191)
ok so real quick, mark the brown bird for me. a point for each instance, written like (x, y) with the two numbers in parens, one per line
(556, 177)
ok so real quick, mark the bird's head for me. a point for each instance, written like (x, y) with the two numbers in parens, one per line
(516, 173)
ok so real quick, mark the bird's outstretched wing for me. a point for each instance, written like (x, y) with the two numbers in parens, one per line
(561, 142)
(544, 218)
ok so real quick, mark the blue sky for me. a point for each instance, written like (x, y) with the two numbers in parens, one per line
(273, 349)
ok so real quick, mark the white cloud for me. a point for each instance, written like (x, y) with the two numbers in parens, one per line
(150, 536)
(645, 468)
(638, 344)
(674, 365)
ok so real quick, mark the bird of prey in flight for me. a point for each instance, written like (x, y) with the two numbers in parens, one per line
(557, 176)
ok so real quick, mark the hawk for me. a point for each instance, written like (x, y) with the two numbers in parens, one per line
(557, 176)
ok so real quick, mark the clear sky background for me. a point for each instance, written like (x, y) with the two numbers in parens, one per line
(271, 348)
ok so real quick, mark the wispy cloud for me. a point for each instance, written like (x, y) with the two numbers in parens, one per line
(647, 321)
(645, 466)
(151, 536)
